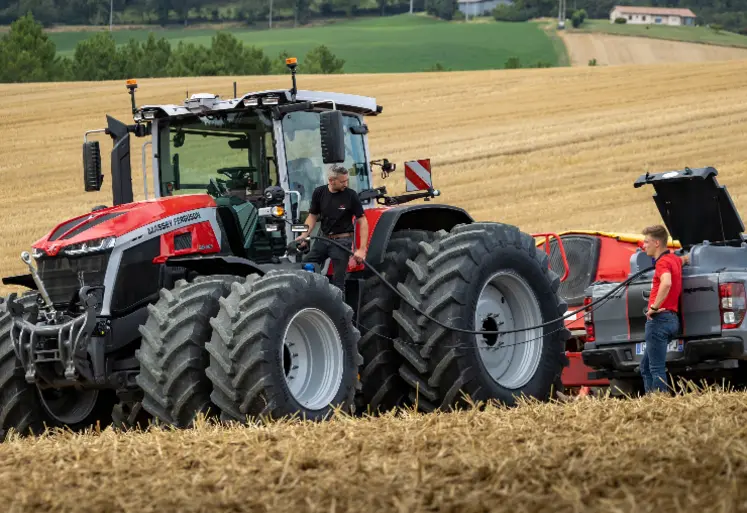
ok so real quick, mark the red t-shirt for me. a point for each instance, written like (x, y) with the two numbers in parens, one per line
(671, 263)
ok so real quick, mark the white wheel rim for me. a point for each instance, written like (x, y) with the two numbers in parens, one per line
(512, 359)
(312, 358)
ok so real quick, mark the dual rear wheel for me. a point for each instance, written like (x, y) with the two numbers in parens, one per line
(285, 344)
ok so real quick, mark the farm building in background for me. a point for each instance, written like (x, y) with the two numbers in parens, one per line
(480, 7)
(652, 15)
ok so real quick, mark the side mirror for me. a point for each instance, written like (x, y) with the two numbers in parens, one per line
(333, 136)
(92, 177)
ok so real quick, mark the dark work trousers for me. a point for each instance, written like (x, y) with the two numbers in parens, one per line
(321, 250)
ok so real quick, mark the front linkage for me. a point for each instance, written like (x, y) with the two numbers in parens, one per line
(57, 339)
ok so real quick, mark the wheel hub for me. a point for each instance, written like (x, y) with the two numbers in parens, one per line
(506, 302)
(312, 358)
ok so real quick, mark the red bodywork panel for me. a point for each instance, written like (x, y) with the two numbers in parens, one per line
(133, 216)
(203, 241)
(614, 266)
(372, 216)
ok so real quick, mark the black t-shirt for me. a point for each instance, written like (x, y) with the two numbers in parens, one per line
(336, 208)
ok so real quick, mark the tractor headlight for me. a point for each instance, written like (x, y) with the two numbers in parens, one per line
(90, 246)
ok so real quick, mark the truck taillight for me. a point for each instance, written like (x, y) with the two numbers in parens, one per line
(589, 321)
(733, 304)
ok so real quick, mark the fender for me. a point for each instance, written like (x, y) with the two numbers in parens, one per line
(419, 217)
(215, 264)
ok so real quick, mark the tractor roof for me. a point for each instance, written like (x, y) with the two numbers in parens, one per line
(694, 207)
(207, 102)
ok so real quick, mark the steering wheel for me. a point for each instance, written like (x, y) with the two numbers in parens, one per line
(237, 172)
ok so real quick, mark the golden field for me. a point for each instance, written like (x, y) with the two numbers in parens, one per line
(638, 456)
(546, 149)
(610, 49)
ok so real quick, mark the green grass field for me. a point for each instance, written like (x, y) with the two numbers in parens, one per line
(687, 34)
(401, 43)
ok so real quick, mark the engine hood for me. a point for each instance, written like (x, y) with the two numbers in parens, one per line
(119, 220)
(694, 207)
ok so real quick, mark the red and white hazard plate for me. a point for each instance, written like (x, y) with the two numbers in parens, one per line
(418, 175)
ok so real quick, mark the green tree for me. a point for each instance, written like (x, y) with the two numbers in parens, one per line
(227, 55)
(97, 58)
(320, 60)
(27, 54)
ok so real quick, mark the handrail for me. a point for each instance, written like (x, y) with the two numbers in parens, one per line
(546, 243)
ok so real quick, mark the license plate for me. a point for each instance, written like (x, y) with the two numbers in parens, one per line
(675, 346)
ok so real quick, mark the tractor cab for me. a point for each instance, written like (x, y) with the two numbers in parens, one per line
(259, 156)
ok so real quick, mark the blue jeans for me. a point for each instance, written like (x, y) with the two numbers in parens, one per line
(660, 330)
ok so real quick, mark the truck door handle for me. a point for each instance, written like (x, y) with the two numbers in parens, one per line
(646, 294)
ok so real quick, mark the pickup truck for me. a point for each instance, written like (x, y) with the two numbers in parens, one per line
(700, 214)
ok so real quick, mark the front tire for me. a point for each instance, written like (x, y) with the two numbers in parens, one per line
(172, 355)
(283, 344)
(20, 407)
(488, 277)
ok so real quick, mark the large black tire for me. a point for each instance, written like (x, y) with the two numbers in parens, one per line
(172, 354)
(382, 386)
(248, 356)
(20, 407)
(441, 365)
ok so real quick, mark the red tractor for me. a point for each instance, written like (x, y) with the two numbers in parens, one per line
(581, 258)
(196, 300)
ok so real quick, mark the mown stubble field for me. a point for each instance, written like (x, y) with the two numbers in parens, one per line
(544, 149)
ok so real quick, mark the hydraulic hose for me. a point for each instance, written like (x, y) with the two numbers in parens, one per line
(479, 332)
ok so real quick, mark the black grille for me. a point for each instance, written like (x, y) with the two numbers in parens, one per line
(63, 277)
(137, 277)
(582, 253)
(183, 241)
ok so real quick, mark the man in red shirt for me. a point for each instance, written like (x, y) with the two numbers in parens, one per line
(663, 322)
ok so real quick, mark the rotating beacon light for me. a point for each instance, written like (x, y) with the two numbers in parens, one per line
(292, 62)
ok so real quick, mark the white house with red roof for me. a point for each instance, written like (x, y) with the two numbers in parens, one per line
(652, 15)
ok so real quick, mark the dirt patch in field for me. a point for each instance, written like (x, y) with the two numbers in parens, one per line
(613, 50)
(644, 455)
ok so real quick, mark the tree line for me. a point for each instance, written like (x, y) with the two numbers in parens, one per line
(28, 55)
(728, 14)
(184, 12)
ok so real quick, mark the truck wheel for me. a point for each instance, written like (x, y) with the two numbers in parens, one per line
(20, 408)
(482, 276)
(172, 354)
(382, 386)
(283, 344)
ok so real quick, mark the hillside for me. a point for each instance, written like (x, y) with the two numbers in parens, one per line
(700, 34)
(385, 44)
(550, 148)
(609, 49)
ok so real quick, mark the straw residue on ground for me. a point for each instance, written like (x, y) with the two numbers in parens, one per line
(644, 455)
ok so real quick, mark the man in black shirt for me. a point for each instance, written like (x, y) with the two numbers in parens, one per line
(335, 204)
